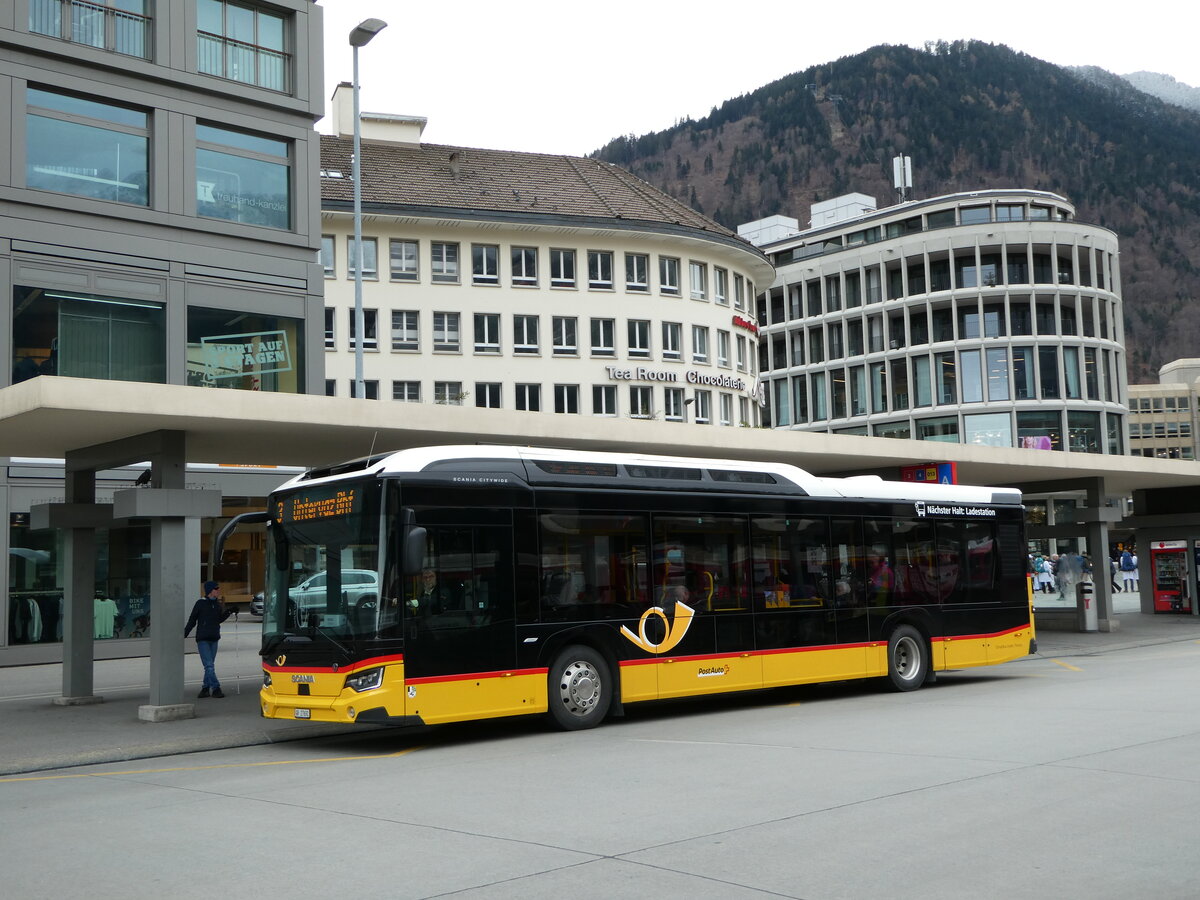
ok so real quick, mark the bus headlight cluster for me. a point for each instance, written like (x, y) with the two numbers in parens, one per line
(365, 681)
(266, 679)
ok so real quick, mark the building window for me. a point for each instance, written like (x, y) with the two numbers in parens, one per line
(720, 286)
(242, 177)
(330, 335)
(370, 258)
(330, 387)
(726, 405)
(562, 268)
(739, 292)
(525, 335)
(328, 255)
(565, 339)
(406, 391)
(600, 270)
(404, 260)
(485, 264)
(444, 262)
(448, 393)
(90, 149)
(698, 278)
(487, 333)
(524, 266)
(641, 402)
(637, 272)
(242, 44)
(370, 332)
(604, 400)
(370, 389)
(672, 337)
(529, 397)
(668, 275)
(406, 331)
(673, 408)
(741, 353)
(703, 401)
(121, 26)
(445, 332)
(639, 338)
(566, 399)
(723, 348)
(487, 394)
(604, 337)
(699, 344)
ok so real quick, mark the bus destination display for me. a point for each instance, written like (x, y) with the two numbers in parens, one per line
(312, 507)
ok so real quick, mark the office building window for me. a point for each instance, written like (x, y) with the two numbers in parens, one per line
(487, 333)
(703, 403)
(604, 400)
(668, 275)
(241, 43)
(243, 177)
(739, 292)
(524, 266)
(370, 389)
(406, 331)
(406, 391)
(487, 394)
(673, 408)
(741, 353)
(121, 26)
(330, 333)
(698, 279)
(86, 148)
(723, 348)
(562, 268)
(529, 397)
(641, 402)
(330, 387)
(370, 258)
(699, 344)
(405, 265)
(445, 332)
(485, 264)
(600, 270)
(244, 351)
(443, 263)
(566, 399)
(720, 286)
(672, 338)
(448, 393)
(565, 338)
(726, 406)
(639, 338)
(637, 272)
(604, 337)
(370, 329)
(525, 335)
(328, 255)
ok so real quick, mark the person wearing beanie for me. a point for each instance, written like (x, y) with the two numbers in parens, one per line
(207, 616)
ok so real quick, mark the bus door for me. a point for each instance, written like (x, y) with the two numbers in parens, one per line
(459, 640)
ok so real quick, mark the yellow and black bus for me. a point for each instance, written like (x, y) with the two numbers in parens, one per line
(443, 584)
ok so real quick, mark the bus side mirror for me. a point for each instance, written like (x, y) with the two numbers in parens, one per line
(414, 549)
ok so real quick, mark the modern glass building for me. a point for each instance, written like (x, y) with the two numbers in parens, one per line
(991, 317)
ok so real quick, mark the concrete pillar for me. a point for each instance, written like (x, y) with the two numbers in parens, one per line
(79, 559)
(168, 590)
(1098, 518)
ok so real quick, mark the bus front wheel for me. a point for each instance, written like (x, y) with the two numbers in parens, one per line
(580, 689)
(908, 658)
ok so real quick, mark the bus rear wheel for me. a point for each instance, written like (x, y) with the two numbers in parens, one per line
(580, 689)
(908, 658)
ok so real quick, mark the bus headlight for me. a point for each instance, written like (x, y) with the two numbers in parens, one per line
(365, 681)
(266, 679)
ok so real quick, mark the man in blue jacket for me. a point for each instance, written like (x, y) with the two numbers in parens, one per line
(207, 616)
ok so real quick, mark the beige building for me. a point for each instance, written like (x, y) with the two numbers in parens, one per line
(1163, 417)
(533, 282)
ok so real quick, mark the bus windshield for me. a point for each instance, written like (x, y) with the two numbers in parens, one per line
(323, 563)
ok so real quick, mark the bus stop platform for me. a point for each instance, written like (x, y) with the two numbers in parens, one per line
(36, 735)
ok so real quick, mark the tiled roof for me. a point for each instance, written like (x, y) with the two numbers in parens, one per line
(537, 184)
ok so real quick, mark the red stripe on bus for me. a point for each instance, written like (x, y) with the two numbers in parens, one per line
(329, 670)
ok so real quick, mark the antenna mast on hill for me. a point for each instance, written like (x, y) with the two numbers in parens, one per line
(902, 176)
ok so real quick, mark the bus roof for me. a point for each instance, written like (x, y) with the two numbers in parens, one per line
(734, 474)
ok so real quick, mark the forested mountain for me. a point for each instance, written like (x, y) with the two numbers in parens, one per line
(971, 115)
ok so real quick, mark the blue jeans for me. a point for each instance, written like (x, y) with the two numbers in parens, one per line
(208, 657)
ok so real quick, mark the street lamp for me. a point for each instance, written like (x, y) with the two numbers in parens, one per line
(359, 37)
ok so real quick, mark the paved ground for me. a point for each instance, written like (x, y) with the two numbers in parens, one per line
(36, 735)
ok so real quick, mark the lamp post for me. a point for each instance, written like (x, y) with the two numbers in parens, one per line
(359, 37)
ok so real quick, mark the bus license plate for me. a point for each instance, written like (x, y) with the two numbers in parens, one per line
(304, 714)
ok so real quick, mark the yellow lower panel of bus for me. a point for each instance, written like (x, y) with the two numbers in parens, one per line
(985, 650)
(691, 676)
(817, 664)
(457, 698)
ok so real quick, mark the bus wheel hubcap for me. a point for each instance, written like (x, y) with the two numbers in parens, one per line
(580, 688)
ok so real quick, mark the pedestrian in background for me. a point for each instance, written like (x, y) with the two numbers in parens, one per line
(207, 616)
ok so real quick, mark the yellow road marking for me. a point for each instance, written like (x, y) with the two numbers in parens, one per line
(279, 762)
(1059, 662)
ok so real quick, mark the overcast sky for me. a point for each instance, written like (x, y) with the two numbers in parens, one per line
(557, 77)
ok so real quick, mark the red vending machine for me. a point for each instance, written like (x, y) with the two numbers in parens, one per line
(1168, 568)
